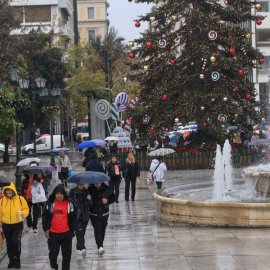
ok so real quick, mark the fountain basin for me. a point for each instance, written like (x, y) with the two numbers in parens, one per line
(211, 213)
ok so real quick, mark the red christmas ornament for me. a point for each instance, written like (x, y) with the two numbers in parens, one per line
(137, 24)
(232, 51)
(155, 25)
(164, 97)
(132, 55)
(248, 96)
(235, 90)
(259, 21)
(261, 60)
(241, 72)
(149, 44)
(205, 124)
(172, 61)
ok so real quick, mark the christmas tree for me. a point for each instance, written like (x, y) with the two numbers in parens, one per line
(195, 64)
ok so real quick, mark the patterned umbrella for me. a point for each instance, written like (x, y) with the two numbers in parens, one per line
(161, 152)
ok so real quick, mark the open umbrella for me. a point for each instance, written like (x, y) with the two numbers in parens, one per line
(60, 149)
(161, 152)
(27, 161)
(99, 142)
(86, 144)
(112, 138)
(39, 169)
(4, 181)
(88, 178)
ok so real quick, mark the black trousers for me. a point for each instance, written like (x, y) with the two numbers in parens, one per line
(159, 184)
(13, 234)
(37, 210)
(63, 240)
(114, 185)
(80, 233)
(29, 220)
(129, 181)
(99, 225)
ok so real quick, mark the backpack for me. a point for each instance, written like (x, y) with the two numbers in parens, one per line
(38, 193)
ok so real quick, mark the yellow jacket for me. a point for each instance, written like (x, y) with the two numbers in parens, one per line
(9, 207)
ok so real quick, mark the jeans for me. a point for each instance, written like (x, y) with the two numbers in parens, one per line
(80, 233)
(37, 209)
(114, 186)
(133, 188)
(99, 224)
(13, 234)
(63, 240)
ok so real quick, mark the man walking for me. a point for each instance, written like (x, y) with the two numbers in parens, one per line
(59, 222)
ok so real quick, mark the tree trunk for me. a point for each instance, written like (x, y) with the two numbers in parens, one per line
(6, 155)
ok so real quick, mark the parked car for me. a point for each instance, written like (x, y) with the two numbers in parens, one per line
(43, 144)
(2, 150)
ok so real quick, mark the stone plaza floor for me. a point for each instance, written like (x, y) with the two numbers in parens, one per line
(135, 240)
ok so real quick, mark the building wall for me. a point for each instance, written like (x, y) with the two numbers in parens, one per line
(97, 24)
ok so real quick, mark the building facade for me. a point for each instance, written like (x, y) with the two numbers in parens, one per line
(92, 19)
(52, 16)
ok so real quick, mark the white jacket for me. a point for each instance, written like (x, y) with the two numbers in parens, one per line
(159, 172)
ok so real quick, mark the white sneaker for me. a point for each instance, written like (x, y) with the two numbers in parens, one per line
(83, 252)
(35, 231)
(79, 252)
(101, 251)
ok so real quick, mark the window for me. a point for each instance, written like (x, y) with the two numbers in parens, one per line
(18, 13)
(91, 35)
(37, 14)
(265, 6)
(263, 37)
(91, 13)
(41, 141)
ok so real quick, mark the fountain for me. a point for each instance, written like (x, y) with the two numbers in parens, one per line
(222, 202)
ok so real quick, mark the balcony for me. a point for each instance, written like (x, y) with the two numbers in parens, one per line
(66, 4)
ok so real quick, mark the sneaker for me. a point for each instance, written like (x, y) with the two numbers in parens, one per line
(79, 252)
(101, 251)
(83, 252)
(35, 231)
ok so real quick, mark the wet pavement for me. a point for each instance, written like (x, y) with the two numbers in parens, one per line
(135, 239)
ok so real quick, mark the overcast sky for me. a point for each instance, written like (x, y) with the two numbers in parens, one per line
(122, 15)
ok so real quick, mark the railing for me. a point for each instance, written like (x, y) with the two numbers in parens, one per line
(195, 160)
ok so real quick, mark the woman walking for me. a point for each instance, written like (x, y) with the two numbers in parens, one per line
(13, 211)
(131, 173)
(113, 169)
(157, 168)
(102, 196)
(59, 222)
(80, 196)
(64, 167)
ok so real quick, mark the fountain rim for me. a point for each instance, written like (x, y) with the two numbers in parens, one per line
(157, 196)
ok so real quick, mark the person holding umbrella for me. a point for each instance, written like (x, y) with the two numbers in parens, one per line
(157, 168)
(113, 169)
(59, 223)
(80, 196)
(94, 164)
(131, 173)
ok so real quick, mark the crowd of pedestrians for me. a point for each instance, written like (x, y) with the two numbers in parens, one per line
(65, 215)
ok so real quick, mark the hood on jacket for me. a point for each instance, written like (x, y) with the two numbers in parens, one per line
(59, 189)
(155, 161)
(12, 187)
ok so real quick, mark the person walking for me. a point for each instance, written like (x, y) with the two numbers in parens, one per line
(113, 169)
(59, 222)
(94, 164)
(131, 173)
(157, 168)
(64, 167)
(13, 211)
(80, 196)
(102, 196)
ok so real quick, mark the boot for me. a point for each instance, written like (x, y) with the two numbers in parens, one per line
(17, 263)
(11, 263)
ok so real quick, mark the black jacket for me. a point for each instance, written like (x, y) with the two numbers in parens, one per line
(79, 197)
(98, 207)
(131, 171)
(94, 165)
(110, 169)
(48, 210)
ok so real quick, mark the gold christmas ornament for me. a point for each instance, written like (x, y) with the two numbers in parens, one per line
(152, 18)
(145, 68)
(130, 44)
(202, 108)
(201, 76)
(248, 35)
(225, 99)
(174, 17)
(213, 59)
(213, 100)
(258, 6)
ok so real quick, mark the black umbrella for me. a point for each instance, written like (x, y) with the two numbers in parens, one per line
(88, 178)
